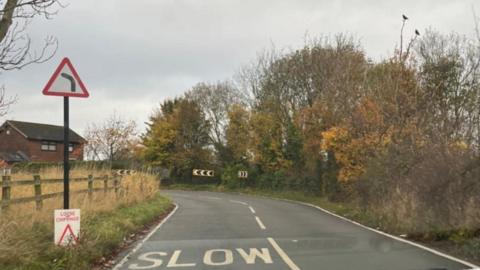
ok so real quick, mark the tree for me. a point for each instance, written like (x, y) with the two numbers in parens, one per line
(15, 45)
(266, 142)
(178, 138)
(114, 139)
(159, 139)
(237, 133)
(449, 73)
(5, 102)
(215, 101)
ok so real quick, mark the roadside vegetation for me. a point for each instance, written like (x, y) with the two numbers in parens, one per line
(26, 234)
(398, 139)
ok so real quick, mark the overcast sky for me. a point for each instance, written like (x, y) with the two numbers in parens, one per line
(133, 54)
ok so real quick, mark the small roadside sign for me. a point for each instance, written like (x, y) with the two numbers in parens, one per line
(65, 82)
(242, 174)
(67, 226)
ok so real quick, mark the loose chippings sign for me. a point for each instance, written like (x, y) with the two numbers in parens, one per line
(67, 226)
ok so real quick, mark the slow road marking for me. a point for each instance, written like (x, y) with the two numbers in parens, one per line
(283, 255)
(137, 247)
(211, 257)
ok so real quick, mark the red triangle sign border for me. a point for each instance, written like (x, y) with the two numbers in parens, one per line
(65, 61)
(69, 228)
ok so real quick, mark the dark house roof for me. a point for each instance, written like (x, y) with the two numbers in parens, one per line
(43, 132)
(17, 156)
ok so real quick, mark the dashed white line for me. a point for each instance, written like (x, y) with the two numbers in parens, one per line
(251, 209)
(234, 201)
(260, 223)
(283, 255)
(211, 197)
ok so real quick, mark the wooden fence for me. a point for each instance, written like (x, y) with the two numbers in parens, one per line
(37, 184)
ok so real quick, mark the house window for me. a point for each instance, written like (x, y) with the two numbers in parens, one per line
(49, 146)
(70, 147)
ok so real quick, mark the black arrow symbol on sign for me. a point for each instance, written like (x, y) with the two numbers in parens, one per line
(72, 81)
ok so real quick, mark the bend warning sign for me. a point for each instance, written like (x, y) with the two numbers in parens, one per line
(65, 82)
(67, 226)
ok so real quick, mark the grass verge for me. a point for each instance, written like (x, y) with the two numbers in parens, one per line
(102, 233)
(462, 244)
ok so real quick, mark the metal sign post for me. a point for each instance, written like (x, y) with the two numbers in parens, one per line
(66, 148)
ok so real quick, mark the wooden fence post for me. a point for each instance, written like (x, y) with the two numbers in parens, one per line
(90, 186)
(6, 191)
(116, 183)
(37, 186)
(105, 183)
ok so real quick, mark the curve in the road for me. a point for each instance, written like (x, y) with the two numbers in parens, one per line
(231, 231)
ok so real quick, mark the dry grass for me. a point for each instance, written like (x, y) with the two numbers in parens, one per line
(22, 217)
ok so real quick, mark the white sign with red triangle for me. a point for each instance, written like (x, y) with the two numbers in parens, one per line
(67, 226)
(65, 82)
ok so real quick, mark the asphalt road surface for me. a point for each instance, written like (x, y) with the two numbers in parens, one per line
(227, 231)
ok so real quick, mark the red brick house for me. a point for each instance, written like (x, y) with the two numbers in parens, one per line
(24, 141)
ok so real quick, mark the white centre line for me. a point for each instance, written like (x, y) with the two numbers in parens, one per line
(283, 255)
(210, 197)
(234, 201)
(260, 223)
(251, 209)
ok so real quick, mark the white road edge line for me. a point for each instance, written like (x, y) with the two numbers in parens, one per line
(260, 223)
(436, 252)
(252, 210)
(139, 245)
(283, 255)
(234, 201)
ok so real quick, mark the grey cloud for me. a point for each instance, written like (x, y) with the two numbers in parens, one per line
(133, 54)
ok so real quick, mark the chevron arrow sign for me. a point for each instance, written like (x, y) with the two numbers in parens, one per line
(199, 172)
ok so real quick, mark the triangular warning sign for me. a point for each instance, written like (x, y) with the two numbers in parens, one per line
(70, 237)
(65, 82)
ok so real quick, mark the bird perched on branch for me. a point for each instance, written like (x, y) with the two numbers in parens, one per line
(404, 17)
(417, 33)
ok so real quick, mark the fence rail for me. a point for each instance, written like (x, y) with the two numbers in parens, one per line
(37, 184)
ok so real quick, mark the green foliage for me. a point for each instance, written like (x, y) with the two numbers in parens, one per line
(230, 177)
(237, 133)
(177, 138)
(294, 146)
(274, 180)
(472, 248)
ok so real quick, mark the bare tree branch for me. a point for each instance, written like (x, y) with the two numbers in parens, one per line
(16, 49)
(5, 102)
(114, 139)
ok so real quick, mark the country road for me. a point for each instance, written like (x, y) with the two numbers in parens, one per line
(227, 231)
